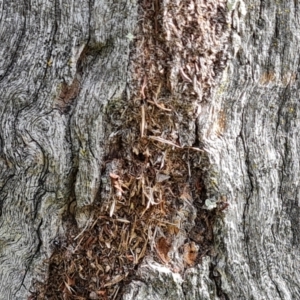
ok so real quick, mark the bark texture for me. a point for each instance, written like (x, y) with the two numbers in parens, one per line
(257, 158)
(63, 64)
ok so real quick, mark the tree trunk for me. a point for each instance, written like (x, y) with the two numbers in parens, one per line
(149, 150)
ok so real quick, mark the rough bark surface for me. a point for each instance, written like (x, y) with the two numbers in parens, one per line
(61, 65)
(257, 158)
(61, 62)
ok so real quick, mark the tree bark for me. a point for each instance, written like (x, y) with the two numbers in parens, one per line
(53, 94)
(257, 158)
(186, 146)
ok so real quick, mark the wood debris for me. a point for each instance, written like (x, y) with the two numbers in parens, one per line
(154, 172)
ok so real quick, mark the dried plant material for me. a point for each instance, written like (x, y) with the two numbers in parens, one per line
(70, 281)
(89, 242)
(163, 247)
(123, 221)
(184, 76)
(173, 229)
(116, 183)
(143, 251)
(196, 149)
(151, 162)
(143, 123)
(135, 150)
(101, 292)
(149, 193)
(185, 196)
(190, 253)
(160, 106)
(161, 177)
(68, 287)
(142, 90)
(114, 281)
(112, 207)
(93, 296)
(164, 141)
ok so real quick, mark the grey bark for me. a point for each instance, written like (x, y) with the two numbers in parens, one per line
(52, 97)
(62, 63)
(258, 158)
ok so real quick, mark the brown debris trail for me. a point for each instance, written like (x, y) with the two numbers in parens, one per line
(154, 180)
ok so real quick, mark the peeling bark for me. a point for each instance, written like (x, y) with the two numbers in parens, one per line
(76, 107)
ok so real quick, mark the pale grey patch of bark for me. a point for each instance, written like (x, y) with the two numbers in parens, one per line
(155, 282)
(41, 132)
(197, 283)
(159, 282)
